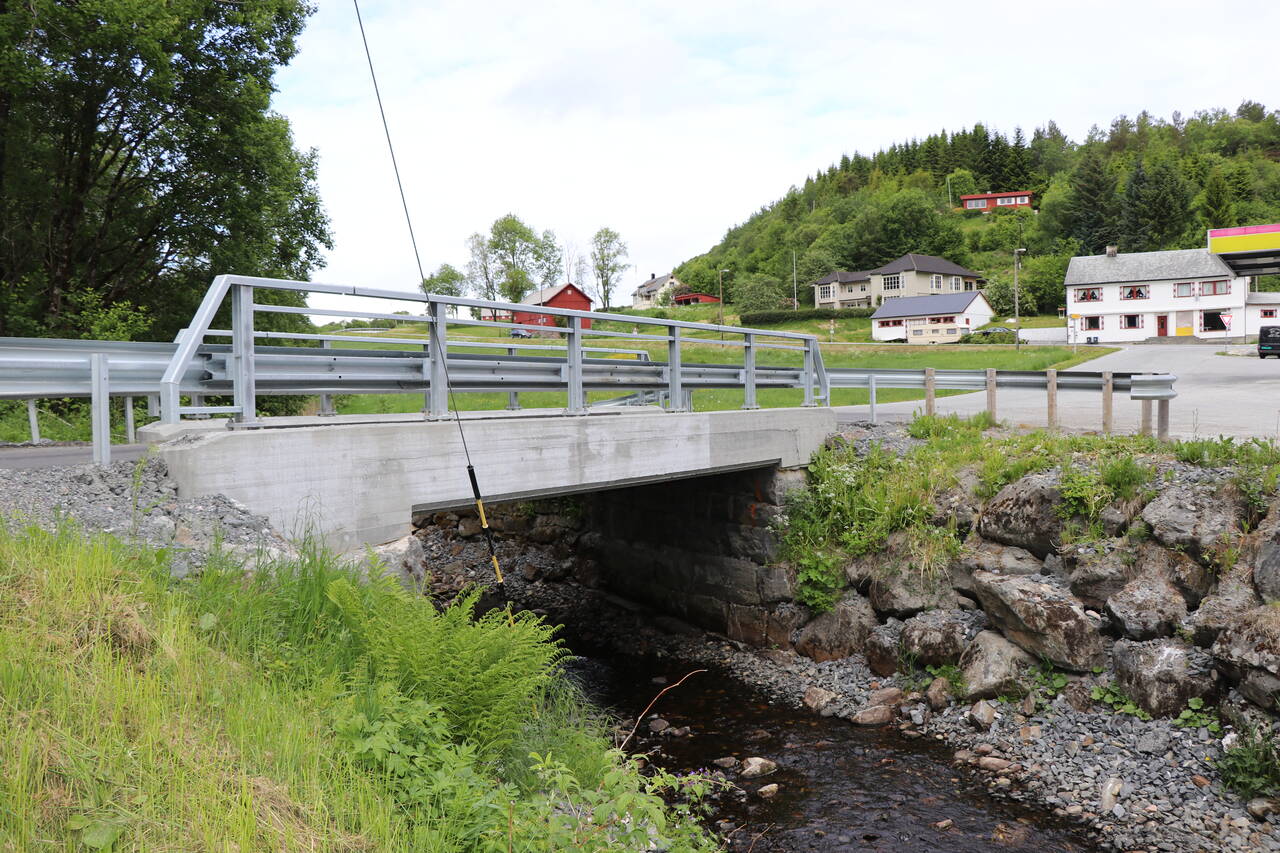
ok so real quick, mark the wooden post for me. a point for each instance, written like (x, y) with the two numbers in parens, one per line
(1145, 429)
(1051, 378)
(1162, 420)
(930, 391)
(991, 392)
(1108, 387)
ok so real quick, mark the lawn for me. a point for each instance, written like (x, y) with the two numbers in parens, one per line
(1036, 321)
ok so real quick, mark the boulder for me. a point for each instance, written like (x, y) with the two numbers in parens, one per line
(959, 504)
(1148, 607)
(885, 696)
(981, 555)
(875, 715)
(1192, 580)
(1098, 572)
(993, 666)
(1266, 566)
(1234, 596)
(905, 593)
(1248, 653)
(981, 715)
(938, 694)
(405, 560)
(883, 647)
(1025, 514)
(818, 699)
(755, 767)
(1041, 618)
(1195, 518)
(937, 637)
(839, 632)
(765, 626)
(1162, 675)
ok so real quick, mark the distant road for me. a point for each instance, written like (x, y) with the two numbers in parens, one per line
(1237, 395)
(63, 454)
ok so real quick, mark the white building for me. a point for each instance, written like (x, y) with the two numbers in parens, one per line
(648, 294)
(930, 319)
(1133, 296)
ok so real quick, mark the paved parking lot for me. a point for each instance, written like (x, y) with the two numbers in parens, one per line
(1236, 395)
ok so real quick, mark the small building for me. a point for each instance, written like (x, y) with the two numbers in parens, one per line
(1133, 296)
(910, 275)
(987, 202)
(560, 296)
(648, 294)
(930, 319)
(690, 297)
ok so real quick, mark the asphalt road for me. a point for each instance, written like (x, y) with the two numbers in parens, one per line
(1236, 395)
(63, 454)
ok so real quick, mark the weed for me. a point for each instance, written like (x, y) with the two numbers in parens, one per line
(1125, 477)
(1197, 716)
(954, 676)
(1111, 694)
(819, 580)
(1084, 494)
(1251, 768)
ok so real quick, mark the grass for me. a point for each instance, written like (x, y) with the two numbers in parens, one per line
(1035, 321)
(295, 709)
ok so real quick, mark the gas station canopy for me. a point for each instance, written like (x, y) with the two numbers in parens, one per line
(1249, 249)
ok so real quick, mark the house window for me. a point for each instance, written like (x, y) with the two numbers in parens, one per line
(952, 331)
(1131, 321)
(917, 331)
(825, 291)
(863, 287)
(1006, 201)
(1268, 313)
(892, 282)
(957, 284)
(1092, 324)
(935, 282)
(1215, 288)
(941, 321)
(1088, 294)
(848, 288)
(975, 203)
(1184, 288)
(1135, 291)
(884, 324)
(1211, 321)
(1023, 199)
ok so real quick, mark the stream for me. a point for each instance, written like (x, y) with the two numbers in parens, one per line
(841, 787)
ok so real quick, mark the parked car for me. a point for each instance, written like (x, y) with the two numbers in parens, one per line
(521, 333)
(993, 330)
(1269, 341)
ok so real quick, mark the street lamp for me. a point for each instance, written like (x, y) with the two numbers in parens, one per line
(1017, 321)
(720, 312)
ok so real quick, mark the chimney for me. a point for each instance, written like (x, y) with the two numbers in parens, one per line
(652, 276)
(1111, 251)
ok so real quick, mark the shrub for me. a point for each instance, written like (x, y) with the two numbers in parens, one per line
(773, 318)
(990, 338)
(1125, 477)
(1251, 768)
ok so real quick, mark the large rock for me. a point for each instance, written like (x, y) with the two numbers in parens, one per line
(938, 637)
(981, 555)
(1162, 675)
(839, 632)
(765, 626)
(1041, 618)
(1266, 566)
(993, 666)
(405, 559)
(1248, 653)
(959, 504)
(1195, 518)
(1148, 607)
(906, 593)
(1189, 577)
(1025, 513)
(1234, 597)
(884, 647)
(1098, 572)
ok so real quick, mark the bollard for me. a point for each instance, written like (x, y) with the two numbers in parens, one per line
(1051, 378)
(991, 392)
(1162, 420)
(930, 391)
(1145, 428)
(1108, 385)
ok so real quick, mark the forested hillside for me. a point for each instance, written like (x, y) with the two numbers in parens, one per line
(1145, 184)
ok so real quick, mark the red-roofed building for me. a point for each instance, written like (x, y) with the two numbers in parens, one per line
(987, 202)
(562, 296)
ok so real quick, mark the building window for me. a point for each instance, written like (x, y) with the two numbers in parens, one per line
(975, 203)
(1093, 324)
(917, 331)
(1006, 201)
(848, 288)
(892, 282)
(953, 330)
(1215, 288)
(884, 324)
(1268, 313)
(1184, 288)
(941, 321)
(1135, 291)
(1211, 321)
(935, 282)
(957, 284)
(1024, 199)
(825, 291)
(1088, 294)
(1131, 321)
(863, 287)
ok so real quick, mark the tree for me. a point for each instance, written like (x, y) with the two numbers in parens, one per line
(1217, 205)
(961, 182)
(999, 292)
(482, 268)
(447, 280)
(756, 292)
(1017, 171)
(607, 252)
(522, 259)
(1156, 207)
(139, 156)
(1091, 210)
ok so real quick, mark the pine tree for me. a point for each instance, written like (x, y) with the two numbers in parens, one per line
(1091, 212)
(1155, 210)
(1135, 230)
(1017, 171)
(1218, 209)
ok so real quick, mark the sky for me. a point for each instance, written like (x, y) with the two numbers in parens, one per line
(670, 122)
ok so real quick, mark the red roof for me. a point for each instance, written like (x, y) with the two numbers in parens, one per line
(995, 195)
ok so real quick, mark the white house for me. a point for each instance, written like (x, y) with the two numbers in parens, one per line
(1133, 296)
(930, 319)
(648, 294)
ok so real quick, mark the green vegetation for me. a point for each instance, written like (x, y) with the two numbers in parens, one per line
(1251, 768)
(773, 318)
(1111, 694)
(295, 708)
(1197, 716)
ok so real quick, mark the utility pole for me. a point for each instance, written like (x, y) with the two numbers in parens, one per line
(795, 291)
(720, 312)
(950, 203)
(1017, 319)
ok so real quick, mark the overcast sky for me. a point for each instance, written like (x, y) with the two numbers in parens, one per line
(672, 121)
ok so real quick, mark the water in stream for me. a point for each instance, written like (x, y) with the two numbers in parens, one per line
(842, 787)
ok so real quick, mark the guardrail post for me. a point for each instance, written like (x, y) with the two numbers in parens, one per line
(100, 408)
(438, 395)
(808, 373)
(930, 391)
(244, 394)
(871, 386)
(1108, 389)
(153, 405)
(1145, 427)
(1051, 386)
(513, 397)
(33, 421)
(749, 372)
(573, 368)
(991, 392)
(326, 400)
(675, 385)
(1162, 420)
(130, 434)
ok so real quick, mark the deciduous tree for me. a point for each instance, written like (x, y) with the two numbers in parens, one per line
(607, 254)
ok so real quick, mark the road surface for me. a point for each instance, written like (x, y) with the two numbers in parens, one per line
(49, 456)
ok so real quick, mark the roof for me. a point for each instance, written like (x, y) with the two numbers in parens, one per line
(842, 276)
(1145, 266)
(924, 263)
(656, 283)
(923, 306)
(544, 295)
(1262, 299)
(997, 195)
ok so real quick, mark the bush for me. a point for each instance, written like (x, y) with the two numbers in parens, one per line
(773, 318)
(990, 338)
(1251, 768)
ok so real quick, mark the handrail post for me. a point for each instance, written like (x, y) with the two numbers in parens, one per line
(513, 397)
(675, 384)
(326, 400)
(244, 392)
(749, 372)
(808, 373)
(991, 392)
(33, 421)
(1051, 388)
(573, 368)
(1108, 389)
(100, 405)
(438, 352)
(930, 391)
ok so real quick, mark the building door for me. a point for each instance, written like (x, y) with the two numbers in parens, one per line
(1162, 325)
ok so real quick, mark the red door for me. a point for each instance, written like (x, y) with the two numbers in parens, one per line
(1162, 326)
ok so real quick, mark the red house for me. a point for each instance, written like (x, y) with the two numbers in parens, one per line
(987, 202)
(563, 296)
(693, 298)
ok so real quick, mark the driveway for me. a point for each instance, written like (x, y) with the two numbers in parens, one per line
(1234, 395)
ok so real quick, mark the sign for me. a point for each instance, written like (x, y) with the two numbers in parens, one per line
(1226, 320)
(1247, 238)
